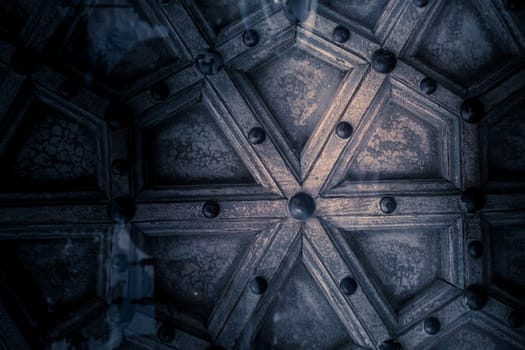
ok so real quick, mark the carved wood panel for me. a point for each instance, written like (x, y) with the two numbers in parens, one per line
(255, 174)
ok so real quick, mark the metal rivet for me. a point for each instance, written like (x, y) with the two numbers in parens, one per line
(390, 345)
(473, 200)
(420, 3)
(348, 285)
(25, 61)
(119, 167)
(431, 325)
(118, 116)
(471, 110)
(515, 5)
(166, 332)
(121, 209)
(209, 62)
(211, 209)
(344, 130)
(428, 85)
(256, 136)
(341, 34)
(515, 319)
(388, 205)
(160, 91)
(475, 297)
(301, 206)
(68, 89)
(383, 61)
(258, 285)
(298, 10)
(475, 249)
(250, 38)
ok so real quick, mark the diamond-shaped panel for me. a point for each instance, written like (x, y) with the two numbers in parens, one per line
(399, 145)
(404, 262)
(64, 275)
(190, 149)
(192, 271)
(298, 88)
(52, 149)
(301, 317)
(459, 44)
(364, 12)
(506, 149)
(471, 337)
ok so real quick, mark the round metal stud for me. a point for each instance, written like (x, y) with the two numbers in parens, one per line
(256, 136)
(428, 85)
(388, 205)
(119, 167)
(420, 3)
(390, 345)
(211, 209)
(471, 110)
(209, 62)
(301, 206)
(431, 325)
(515, 319)
(341, 34)
(258, 285)
(166, 332)
(475, 249)
(348, 285)
(515, 5)
(250, 38)
(25, 61)
(383, 61)
(121, 209)
(68, 89)
(298, 10)
(160, 91)
(475, 297)
(344, 130)
(118, 116)
(473, 200)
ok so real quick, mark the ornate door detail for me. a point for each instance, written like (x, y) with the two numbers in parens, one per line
(253, 174)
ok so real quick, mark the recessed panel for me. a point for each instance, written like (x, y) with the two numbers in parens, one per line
(118, 45)
(470, 337)
(460, 44)
(301, 317)
(53, 275)
(365, 12)
(298, 88)
(398, 145)
(222, 13)
(404, 262)
(52, 150)
(190, 149)
(506, 146)
(192, 271)
(508, 257)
